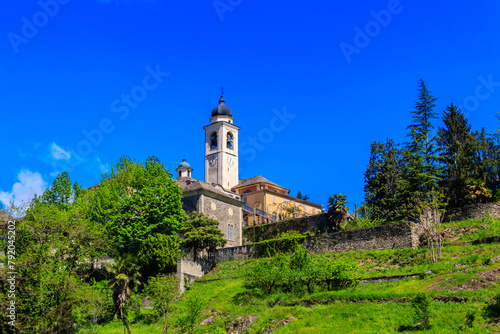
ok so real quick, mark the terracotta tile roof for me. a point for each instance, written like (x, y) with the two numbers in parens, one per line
(189, 184)
(255, 180)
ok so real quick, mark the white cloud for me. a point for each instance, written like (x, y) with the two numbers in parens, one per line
(58, 153)
(23, 191)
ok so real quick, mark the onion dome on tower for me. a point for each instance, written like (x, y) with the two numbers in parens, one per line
(222, 109)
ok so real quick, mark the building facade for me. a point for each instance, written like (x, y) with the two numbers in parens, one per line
(234, 203)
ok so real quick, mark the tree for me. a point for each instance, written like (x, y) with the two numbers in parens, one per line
(337, 203)
(337, 210)
(267, 273)
(125, 276)
(137, 200)
(485, 177)
(159, 254)
(419, 174)
(456, 155)
(192, 313)
(383, 179)
(55, 249)
(339, 274)
(302, 197)
(163, 290)
(202, 233)
(61, 193)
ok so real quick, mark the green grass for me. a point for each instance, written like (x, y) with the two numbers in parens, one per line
(370, 307)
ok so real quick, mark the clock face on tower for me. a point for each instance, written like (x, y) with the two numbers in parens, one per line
(212, 160)
(230, 160)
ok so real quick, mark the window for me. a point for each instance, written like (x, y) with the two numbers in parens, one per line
(247, 191)
(230, 232)
(304, 207)
(245, 200)
(314, 211)
(275, 216)
(274, 199)
(230, 140)
(284, 201)
(213, 141)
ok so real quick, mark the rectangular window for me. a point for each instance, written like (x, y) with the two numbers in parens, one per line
(314, 211)
(245, 200)
(230, 232)
(304, 207)
(284, 201)
(274, 199)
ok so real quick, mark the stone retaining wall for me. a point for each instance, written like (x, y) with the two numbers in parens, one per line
(473, 211)
(402, 235)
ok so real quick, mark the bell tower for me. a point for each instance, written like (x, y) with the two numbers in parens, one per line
(221, 148)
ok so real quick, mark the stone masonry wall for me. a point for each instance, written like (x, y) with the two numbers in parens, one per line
(473, 211)
(378, 237)
(190, 203)
(402, 235)
(311, 224)
(227, 214)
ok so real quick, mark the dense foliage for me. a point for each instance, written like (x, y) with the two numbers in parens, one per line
(297, 273)
(137, 200)
(202, 233)
(461, 164)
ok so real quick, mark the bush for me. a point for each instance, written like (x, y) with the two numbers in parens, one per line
(266, 274)
(421, 316)
(339, 274)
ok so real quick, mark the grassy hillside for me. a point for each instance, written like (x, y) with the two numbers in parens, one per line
(461, 287)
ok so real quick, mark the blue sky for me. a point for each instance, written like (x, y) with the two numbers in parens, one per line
(84, 82)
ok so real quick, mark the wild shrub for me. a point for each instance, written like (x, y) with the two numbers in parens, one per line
(190, 317)
(339, 274)
(421, 312)
(492, 310)
(267, 273)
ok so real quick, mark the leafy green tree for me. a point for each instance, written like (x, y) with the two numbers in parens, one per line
(124, 277)
(456, 155)
(61, 192)
(163, 290)
(202, 233)
(159, 254)
(339, 274)
(267, 273)
(302, 269)
(383, 180)
(55, 249)
(137, 200)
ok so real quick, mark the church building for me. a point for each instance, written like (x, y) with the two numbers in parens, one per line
(234, 203)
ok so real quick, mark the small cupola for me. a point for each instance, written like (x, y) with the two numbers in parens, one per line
(184, 169)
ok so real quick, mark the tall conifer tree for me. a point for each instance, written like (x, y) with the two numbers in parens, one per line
(420, 173)
(383, 181)
(455, 155)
